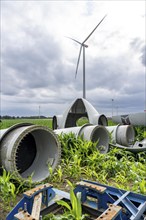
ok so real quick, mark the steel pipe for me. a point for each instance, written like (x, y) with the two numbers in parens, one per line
(122, 134)
(92, 133)
(139, 146)
(133, 119)
(27, 149)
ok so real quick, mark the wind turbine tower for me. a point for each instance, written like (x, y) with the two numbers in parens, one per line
(83, 45)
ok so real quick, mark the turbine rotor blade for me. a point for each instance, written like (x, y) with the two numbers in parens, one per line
(78, 60)
(94, 29)
(75, 40)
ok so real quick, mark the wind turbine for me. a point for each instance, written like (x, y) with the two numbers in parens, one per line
(83, 45)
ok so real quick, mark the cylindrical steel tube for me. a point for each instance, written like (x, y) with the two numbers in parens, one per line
(92, 133)
(27, 149)
(122, 134)
(133, 119)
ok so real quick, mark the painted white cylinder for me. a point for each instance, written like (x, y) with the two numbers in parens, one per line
(122, 134)
(98, 134)
(75, 130)
(27, 150)
(133, 119)
(92, 133)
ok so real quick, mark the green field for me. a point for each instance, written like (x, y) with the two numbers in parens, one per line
(6, 123)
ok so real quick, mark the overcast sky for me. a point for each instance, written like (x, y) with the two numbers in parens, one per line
(38, 62)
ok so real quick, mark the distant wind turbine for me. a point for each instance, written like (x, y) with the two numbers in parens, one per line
(83, 45)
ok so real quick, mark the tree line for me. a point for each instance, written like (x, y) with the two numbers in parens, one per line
(22, 117)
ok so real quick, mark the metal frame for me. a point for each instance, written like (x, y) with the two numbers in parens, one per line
(101, 201)
(133, 204)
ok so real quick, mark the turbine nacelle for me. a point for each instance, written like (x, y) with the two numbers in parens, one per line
(84, 45)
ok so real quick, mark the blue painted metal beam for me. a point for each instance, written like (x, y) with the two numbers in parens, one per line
(118, 204)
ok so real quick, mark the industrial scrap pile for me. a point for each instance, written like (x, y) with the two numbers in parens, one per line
(17, 156)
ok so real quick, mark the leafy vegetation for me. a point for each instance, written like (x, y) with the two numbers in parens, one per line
(81, 121)
(7, 190)
(73, 211)
(140, 133)
(10, 187)
(119, 168)
(80, 159)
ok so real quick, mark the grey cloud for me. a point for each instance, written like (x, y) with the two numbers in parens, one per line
(138, 46)
(34, 73)
(116, 76)
(136, 43)
(122, 103)
(107, 73)
(36, 65)
(143, 56)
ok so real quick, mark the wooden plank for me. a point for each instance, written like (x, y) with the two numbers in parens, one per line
(36, 206)
(29, 193)
(111, 213)
(23, 215)
(100, 189)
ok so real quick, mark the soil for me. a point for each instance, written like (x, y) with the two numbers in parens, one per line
(5, 209)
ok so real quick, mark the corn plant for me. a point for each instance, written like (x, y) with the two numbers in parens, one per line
(10, 187)
(140, 132)
(72, 211)
(7, 190)
(75, 209)
(81, 159)
(142, 186)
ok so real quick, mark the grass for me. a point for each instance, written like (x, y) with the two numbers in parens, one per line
(6, 123)
(120, 168)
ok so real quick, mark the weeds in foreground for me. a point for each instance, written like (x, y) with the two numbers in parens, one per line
(10, 187)
(72, 211)
(82, 160)
(7, 190)
(140, 132)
